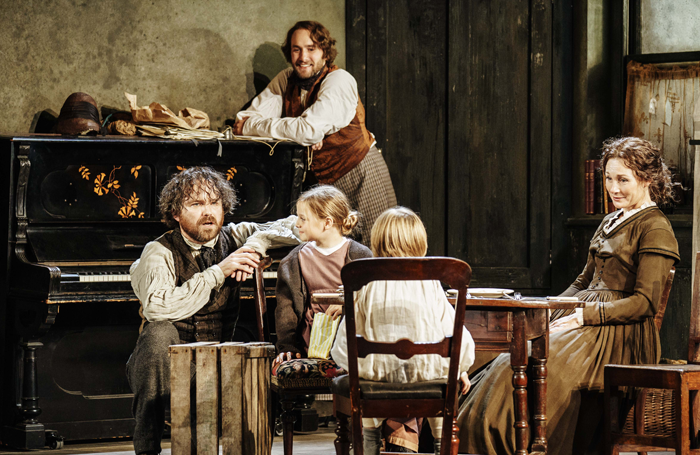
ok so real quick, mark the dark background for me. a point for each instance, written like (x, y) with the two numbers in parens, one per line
(486, 111)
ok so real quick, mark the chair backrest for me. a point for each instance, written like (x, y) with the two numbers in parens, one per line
(261, 300)
(694, 337)
(360, 272)
(659, 318)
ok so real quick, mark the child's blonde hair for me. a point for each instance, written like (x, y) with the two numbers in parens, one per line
(326, 201)
(399, 232)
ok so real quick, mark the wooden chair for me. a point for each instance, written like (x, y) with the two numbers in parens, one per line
(356, 398)
(288, 393)
(663, 414)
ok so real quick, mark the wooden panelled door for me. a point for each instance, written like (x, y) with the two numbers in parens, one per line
(459, 96)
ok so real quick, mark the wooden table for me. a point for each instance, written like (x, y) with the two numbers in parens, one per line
(506, 325)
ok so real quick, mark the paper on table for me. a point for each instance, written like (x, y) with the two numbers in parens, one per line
(562, 299)
(159, 113)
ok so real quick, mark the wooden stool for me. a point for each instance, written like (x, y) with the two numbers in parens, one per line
(231, 399)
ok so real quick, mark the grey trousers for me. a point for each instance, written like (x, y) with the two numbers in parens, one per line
(148, 372)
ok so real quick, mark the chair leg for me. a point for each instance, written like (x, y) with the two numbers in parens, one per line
(453, 445)
(287, 423)
(342, 431)
(356, 421)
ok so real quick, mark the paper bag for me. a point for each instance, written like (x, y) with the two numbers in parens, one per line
(323, 333)
(159, 113)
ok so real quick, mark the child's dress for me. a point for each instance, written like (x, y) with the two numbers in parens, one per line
(321, 271)
(293, 312)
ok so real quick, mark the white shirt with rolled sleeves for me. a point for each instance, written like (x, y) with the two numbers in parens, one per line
(155, 283)
(334, 109)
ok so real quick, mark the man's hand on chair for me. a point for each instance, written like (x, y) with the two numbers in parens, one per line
(284, 357)
(240, 264)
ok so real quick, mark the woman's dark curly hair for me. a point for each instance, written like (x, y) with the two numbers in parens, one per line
(645, 160)
(319, 34)
(184, 185)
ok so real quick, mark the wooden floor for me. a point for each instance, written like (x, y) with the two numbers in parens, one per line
(316, 443)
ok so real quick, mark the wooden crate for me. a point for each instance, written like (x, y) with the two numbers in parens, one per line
(227, 401)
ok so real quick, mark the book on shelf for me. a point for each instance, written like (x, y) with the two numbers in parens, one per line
(599, 182)
(589, 187)
(597, 200)
(608, 206)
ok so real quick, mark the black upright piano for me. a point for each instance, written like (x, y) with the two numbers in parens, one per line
(78, 211)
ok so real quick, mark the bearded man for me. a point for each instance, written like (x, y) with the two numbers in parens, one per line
(188, 281)
(316, 104)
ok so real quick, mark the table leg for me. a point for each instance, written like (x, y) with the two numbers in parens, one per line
(518, 362)
(540, 347)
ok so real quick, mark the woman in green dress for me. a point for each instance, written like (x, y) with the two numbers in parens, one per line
(629, 259)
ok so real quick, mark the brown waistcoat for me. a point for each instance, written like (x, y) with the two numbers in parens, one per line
(342, 150)
(207, 323)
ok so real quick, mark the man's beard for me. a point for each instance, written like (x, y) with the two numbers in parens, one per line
(200, 232)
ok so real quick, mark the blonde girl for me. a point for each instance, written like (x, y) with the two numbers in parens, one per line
(324, 220)
(390, 310)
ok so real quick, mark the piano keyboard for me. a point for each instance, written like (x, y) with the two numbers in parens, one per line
(104, 278)
(96, 277)
(271, 275)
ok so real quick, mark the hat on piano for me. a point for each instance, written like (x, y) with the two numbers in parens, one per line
(79, 115)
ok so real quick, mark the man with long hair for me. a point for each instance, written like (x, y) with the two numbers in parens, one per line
(316, 104)
(188, 283)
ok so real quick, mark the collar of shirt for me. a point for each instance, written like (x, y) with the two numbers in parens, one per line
(196, 246)
(331, 250)
(622, 215)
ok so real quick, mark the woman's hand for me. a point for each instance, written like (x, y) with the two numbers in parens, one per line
(565, 323)
(284, 357)
(466, 385)
(335, 311)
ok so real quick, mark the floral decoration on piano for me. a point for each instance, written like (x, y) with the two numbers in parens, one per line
(105, 185)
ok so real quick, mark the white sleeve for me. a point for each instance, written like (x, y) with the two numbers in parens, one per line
(448, 321)
(268, 104)
(333, 110)
(274, 234)
(339, 351)
(154, 282)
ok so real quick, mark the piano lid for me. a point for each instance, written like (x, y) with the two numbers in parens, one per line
(95, 200)
(114, 181)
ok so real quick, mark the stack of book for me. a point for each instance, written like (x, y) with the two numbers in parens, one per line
(596, 196)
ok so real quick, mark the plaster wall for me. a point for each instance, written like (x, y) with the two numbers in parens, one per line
(670, 26)
(209, 55)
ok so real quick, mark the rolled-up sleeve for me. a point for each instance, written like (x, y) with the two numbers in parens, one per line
(155, 284)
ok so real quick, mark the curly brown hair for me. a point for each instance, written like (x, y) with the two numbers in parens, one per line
(319, 34)
(645, 160)
(184, 185)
